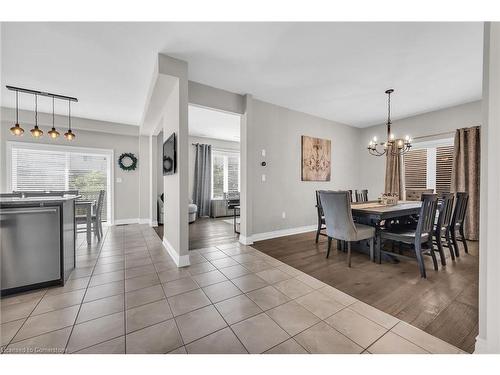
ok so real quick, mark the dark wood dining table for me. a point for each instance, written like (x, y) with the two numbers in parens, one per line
(375, 214)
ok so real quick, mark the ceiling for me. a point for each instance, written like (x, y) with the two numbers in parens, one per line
(337, 71)
(209, 123)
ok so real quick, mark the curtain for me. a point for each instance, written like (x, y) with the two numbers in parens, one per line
(202, 179)
(465, 175)
(393, 174)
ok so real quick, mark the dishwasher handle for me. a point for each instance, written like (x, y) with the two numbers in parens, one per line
(30, 211)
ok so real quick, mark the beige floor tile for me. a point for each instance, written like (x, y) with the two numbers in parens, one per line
(237, 308)
(229, 245)
(209, 278)
(344, 298)
(17, 311)
(186, 302)
(206, 250)
(139, 254)
(424, 340)
(51, 321)
(220, 342)
(81, 272)
(273, 275)
(195, 258)
(50, 343)
(105, 290)
(200, 268)
(138, 262)
(96, 331)
(292, 317)
(101, 307)
(111, 267)
(293, 288)
(249, 282)
(59, 301)
(378, 316)
(323, 339)
(224, 262)
(311, 281)
(22, 297)
(146, 315)
(139, 271)
(257, 266)
(141, 282)
(268, 297)
(319, 304)
(114, 346)
(290, 346)
(199, 323)
(160, 338)
(259, 333)
(234, 272)
(181, 350)
(69, 286)
(221, 291)
(289, 270)
(9, 330)
(164, 265)
(112, 259)
(391, 343)
(213, 255)
(180, 286)
(359, 329)
(143, 296)
(232, 251)
(246, 258)
(173, 274)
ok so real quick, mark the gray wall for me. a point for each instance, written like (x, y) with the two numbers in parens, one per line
(126, 193)
(443, 121)
(278, 130)
(216, 143)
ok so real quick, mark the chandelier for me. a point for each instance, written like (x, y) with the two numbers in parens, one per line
(391, 146)
(36, 132)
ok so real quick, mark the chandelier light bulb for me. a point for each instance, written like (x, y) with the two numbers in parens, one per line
(391, 137)
(374, 139)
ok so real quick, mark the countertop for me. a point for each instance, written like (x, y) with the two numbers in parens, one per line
(34, 200)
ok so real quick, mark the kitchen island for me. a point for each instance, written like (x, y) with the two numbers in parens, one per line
(38, 242)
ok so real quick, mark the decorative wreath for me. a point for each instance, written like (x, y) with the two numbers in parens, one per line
(130, 161)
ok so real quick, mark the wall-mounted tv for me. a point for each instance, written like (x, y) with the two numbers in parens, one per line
(169, 155)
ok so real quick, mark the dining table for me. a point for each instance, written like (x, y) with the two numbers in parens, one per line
(87, 205)
(375, 213)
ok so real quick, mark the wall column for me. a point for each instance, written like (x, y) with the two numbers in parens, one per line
(247, 166)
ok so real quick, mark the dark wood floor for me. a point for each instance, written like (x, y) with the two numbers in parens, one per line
(206, 232)
(444, 305)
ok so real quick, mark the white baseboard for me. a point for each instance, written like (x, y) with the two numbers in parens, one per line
(153, 223)
(144, 221)
(283, 232)
(482, 347)
(180, 261)
(126, 221)
(245, 240)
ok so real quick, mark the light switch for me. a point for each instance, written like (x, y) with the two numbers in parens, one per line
(263, 153)
(118, 180)
(263, 178)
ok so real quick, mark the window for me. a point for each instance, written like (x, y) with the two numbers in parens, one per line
(429, 166)
(225, 173)
(36, 167)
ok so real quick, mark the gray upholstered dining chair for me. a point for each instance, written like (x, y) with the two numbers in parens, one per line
(416, 237)
(96, 218)
(362, 195)
(340, 224)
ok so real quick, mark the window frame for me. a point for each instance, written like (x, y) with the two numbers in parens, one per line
(224, 153)
(108, 153)
(431, 147)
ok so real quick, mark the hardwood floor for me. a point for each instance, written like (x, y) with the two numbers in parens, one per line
(444, 305)
(206, 232)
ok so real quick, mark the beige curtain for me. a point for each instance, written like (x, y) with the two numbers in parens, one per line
(393, 174)
(465, 174)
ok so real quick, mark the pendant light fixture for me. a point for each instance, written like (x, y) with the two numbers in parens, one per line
(69, 135)
(36, 131)
(16, 129)
(53, 133)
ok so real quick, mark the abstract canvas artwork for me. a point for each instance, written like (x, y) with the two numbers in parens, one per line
(316, 159)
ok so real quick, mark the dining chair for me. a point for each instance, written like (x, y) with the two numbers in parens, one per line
(416, 237)
(362, 195)
(340, 225)
(96, 217)
(457, 222)
(321, 217)
(416, 194)
(442, 227)
(350, 195)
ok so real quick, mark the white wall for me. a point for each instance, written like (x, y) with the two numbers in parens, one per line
(446, 120)
(278, 130)
(215, 143)
(126, 200)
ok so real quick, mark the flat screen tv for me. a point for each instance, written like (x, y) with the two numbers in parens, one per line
(169, 155)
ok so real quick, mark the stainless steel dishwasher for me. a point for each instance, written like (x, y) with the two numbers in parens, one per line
(31, 252)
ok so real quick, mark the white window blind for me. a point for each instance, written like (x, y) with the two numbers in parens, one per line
(444, 165)
(415, 166)
(53, 168)
(225, 173)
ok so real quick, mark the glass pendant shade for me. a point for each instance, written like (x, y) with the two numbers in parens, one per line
(69, 135)
(36, 132)
(53, 133)
(16, 129)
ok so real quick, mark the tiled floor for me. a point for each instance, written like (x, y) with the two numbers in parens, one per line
(129, 297)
